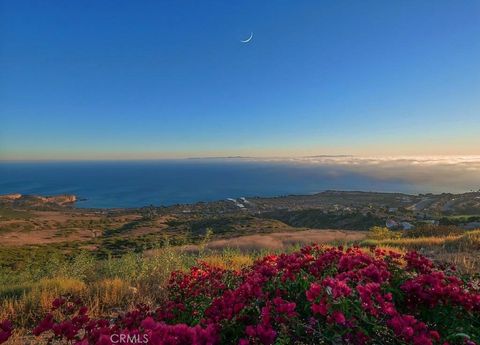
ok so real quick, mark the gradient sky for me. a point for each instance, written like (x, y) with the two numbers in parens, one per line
(147, 79)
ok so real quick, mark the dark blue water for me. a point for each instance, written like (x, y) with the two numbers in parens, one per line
(141, 183)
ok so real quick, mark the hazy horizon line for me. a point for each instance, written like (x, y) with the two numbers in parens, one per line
(385, 157)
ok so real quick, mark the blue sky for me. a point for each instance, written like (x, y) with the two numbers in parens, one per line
(151, 79)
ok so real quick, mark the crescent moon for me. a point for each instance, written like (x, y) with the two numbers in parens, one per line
(248, 39)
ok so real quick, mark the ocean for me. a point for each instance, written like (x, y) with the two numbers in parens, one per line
(112, 184)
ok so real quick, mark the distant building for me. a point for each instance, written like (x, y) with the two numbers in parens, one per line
(392, 209)
(407, 226)
(391, 224)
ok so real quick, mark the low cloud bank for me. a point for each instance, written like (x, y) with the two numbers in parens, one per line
(429, 173)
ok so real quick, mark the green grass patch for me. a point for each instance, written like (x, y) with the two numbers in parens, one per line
(7, 213)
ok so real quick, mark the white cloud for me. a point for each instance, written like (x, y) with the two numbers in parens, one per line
(432, 173)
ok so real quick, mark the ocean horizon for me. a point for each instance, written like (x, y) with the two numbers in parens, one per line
(123, 184)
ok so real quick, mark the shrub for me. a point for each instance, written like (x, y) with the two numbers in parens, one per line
(434, 231)
(382, 233)
(312, 296)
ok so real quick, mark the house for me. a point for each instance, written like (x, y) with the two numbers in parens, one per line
(391, 224)
(407, 226)
(245, 201)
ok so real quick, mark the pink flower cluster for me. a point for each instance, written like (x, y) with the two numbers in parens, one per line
(5, 330)
(315, 295)
(434, 288)
(134, 327)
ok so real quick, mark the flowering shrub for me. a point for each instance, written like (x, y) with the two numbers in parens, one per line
(5, 331)
(314, 296)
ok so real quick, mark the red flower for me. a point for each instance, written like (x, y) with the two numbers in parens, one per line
(320, 308)
(6, 329)
(338, 317)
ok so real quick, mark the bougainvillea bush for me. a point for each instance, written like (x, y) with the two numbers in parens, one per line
(317, 295)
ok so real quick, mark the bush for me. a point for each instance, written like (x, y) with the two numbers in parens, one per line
(434, 231)
(382, 233)
(312, 296)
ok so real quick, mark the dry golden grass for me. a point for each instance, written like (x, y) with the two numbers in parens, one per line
(468, 241)
(108, 294)
(413, 243)
(279, 241)
(463, 251)
(235, 262)
(38, 300)
(465, 262)
(388, 248)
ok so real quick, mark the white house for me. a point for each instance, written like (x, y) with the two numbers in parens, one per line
(407, 226)
(391, 224)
